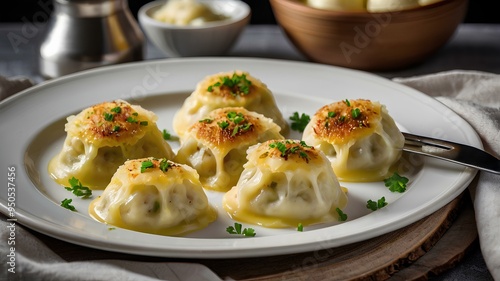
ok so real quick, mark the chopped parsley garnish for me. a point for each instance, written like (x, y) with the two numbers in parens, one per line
(243, 128)
(280, 146)
(285, 152)
(342, 118)
(116, 128)
(329, 115)
(223, 124)
(206, 120)
(116, 109)
(372, 205)
(300, 227)
(299, 122)
(238, 84)
(347, 102)
(396, 183)
(342, 215)
(78, 189)
(235, 117)
(355, 113)
(66, 203)
(237, 229)
(131, 119)
(108, 116)
(166, 135)
(239, 120)
(164, 165)
(146, 165)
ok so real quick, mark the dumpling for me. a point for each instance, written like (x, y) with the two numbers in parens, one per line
(103, 137)
(228, 89)
(154, 196)
(216, 145)
(359, 137)
(285, 182)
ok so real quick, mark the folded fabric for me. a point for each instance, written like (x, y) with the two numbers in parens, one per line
(475, 96)
(35, 261)
(12, 85)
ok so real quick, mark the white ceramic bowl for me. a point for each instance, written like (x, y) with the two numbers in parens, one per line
(210, 39)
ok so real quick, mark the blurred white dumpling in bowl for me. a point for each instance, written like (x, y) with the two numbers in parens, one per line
(187, 12)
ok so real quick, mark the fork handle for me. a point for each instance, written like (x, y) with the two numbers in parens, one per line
(453, 152)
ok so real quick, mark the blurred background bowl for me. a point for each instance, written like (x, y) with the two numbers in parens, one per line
(369, 41)
(210, 39)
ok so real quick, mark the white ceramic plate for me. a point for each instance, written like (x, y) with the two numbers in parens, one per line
(32, 131)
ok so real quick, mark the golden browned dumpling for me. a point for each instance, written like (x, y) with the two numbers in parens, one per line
(103, 137)
(285, 182)
(228, 89)
(155, 196)
(216, 145)
(359, 137)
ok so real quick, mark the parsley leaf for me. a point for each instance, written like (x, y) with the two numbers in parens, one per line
(166, 135)
(280, 146)
(223, 124)
(237, 229)
(131, 119)
(146, 165)
(206, 120)
(164, 165)
(396, 183)
(372, 205)
(78, 189)
(299, 122)
(108, 116)
(300, 227)
(342, 215)
(239, 84)
(355, 113)
(66, 203)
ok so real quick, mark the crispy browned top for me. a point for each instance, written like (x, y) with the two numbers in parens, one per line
(342, 121)
(136, 167)
(231, 85)
(115, 120)
(288, 150)
(227, 125)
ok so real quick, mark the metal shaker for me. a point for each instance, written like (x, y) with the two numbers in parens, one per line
(84, 34)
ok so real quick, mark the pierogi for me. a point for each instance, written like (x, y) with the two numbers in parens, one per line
(101, 138)
(359, 137)
(284, 183)
(216, 145)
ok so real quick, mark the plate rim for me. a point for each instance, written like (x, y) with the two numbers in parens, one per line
(25, 219)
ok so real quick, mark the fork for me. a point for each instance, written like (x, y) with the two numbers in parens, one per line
(453, 152)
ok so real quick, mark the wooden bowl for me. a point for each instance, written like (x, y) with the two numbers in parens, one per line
(369, 41)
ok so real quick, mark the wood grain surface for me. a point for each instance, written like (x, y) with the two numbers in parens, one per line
(425, 248)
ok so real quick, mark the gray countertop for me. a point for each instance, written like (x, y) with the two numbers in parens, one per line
(473, 47)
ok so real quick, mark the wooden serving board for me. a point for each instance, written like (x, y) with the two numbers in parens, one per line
(425, 248)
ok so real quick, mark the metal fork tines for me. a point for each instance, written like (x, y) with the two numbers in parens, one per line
(453, 152)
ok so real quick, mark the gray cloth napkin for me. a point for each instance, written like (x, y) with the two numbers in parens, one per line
(475, 96)
(35, 261)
